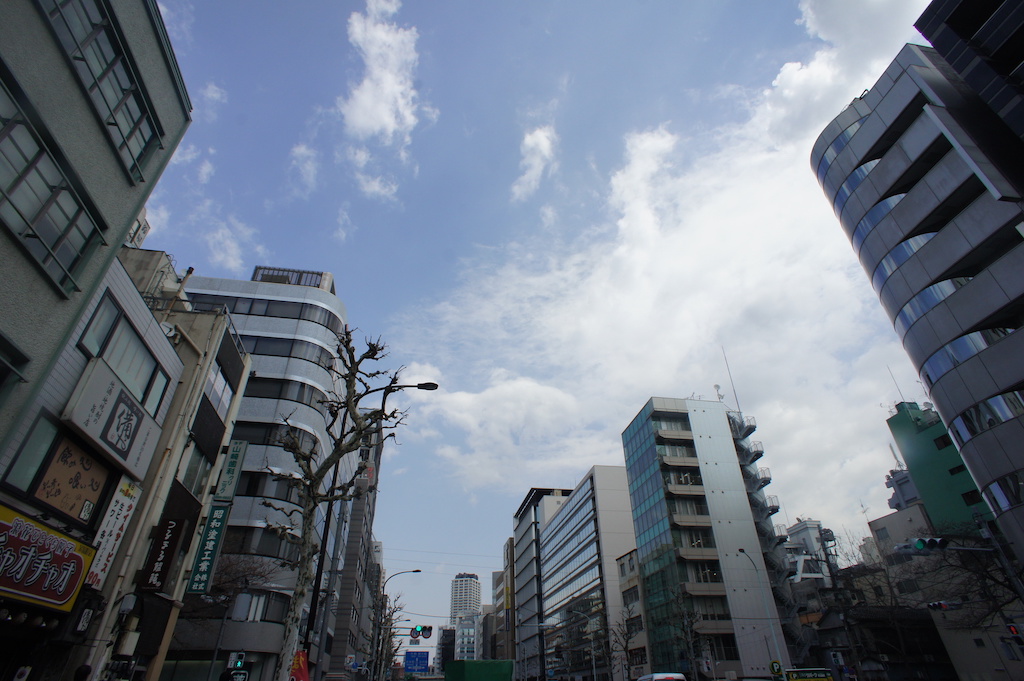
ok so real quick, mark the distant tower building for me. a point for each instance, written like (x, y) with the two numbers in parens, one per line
(709, 557)
(465, 598)
(923, 172)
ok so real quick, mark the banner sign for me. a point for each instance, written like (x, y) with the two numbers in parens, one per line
(231, 472)
(104, 411)
(300, 667)
(209, 546)
(162, 554)
(111, 531)
(40, 565)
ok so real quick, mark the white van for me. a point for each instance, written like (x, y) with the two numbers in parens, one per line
(664, 676)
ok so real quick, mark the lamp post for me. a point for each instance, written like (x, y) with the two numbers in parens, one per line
(767, 608)
(593, 653)
(382, 619)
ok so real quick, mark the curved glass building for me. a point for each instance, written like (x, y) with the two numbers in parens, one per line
(925, 176)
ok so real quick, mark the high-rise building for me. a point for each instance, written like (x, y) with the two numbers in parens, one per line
(923, 171)
(288, 320)
(579, 576)
(503, 597)
(709, 557)
(92, 106)
(534, 512)
(465, 596)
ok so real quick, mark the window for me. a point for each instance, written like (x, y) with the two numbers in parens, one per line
(197, 473)
(943, 441)
(956, 470)
(90, 37)
(906, 586)
(12, 362)
(112, 337)
(219, 391)
(630, 595)
(37, 204)
(882, 533)
(635, 624)
(972, 497)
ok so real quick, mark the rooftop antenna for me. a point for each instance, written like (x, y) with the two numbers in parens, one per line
(737, 397)
(896, 384)
(718, 392)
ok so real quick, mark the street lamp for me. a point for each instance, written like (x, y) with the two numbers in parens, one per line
(767, 609)
(379, 662)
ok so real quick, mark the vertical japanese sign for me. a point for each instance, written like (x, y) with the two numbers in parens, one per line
(111, 531)
(209, 546)
(162, 554)
(40, 565)
(232, 469)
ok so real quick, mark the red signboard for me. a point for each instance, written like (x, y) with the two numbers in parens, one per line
(38, 564)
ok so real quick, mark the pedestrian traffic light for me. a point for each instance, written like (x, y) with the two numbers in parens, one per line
(929, 543)
(1015, 633)
(239, 661)
(426, 631)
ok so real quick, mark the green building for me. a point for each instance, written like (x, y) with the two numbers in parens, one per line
(942, 480)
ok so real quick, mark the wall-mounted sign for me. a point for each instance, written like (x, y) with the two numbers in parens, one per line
(209, 545)
(38, 564)
(103, 410)
(73, 482)
(162, 554)
(231, 471)
(111, 531)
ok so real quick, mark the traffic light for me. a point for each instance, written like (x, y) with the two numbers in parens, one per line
(943, 605)
(239, 661)
(929, 543)
(1015, 633)
(426, 632)
(416, 631)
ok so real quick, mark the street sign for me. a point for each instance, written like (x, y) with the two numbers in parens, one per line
(776, 667)
(239, 675)
(416, 661)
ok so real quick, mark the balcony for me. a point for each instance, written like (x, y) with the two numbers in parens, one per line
(755, 481)
(686, 489)
(751, 452)
(741, 427)
(697, 553)
(704, 588)
(690, 520)
(772, 503)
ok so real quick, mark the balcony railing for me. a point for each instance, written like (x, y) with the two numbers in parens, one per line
(741, 427)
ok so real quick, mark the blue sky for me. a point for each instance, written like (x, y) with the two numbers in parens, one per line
(555, 209)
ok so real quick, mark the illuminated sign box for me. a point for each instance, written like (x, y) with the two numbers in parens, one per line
(38, 564)
(104, 411)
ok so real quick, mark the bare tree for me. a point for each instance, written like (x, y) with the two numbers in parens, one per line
(354, 418)
(622, 633)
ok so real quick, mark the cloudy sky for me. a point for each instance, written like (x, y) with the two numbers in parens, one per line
(555, 209)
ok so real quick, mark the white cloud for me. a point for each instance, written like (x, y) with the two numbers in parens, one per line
(211, 99)
(345, 225)
(538, 150)
(376, 186)
(304, 165)
(229, 240)
(158, 216)
(185, 155)
(178, 16)
(205, 172)
(384, 107)
(737, 248)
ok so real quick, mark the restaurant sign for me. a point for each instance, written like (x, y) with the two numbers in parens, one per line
(103, 410)
(38, 564)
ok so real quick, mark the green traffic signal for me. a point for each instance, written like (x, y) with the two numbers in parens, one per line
(929, 543)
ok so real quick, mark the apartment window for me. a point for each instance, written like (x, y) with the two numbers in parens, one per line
(91, 39)
(112, 337)
(197, 473)
(37, 204)
(972, 497)
(943, 441)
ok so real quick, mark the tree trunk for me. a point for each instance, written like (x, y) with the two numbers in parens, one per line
(307, 549)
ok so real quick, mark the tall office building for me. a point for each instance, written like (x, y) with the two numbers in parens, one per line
(923, 171)
(534, 512)
(465, 596)
(579, 576)
(288, 320)
(92, 106)
(709, 557)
